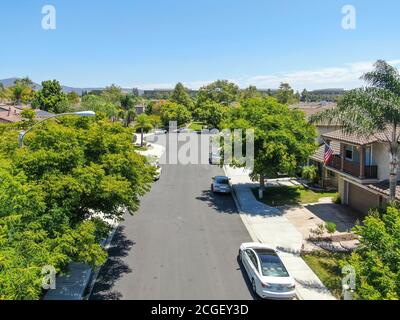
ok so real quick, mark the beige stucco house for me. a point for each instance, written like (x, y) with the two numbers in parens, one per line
(359, 168)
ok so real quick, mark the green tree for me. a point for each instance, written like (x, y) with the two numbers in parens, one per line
(171, 111)
(304, 96)
(4, 93)
(283, 139)
(73, 98)
(28, 118)
(51, 98)
(181, 96)
(143, 123)
(113, 94)
(250, 92)
(286, 95)
(128, 103)
(375, 108)
(99, 105)
(52, 192)
(221, 91)
(21, 92)
(211, 113)
(377, 259)
(310, 173)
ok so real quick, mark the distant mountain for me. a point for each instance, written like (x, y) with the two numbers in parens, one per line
(10, 82)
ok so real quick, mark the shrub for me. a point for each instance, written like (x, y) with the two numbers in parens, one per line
(310, 173)
(330, 227)
(337, 199)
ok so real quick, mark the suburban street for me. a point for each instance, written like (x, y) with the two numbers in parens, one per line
(182, 243)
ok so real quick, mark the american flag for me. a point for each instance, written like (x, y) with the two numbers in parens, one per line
(328, 153)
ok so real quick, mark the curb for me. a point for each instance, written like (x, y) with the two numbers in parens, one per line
(250, 230)
(95, 273)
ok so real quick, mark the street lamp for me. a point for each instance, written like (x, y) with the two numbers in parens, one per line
(22, 134)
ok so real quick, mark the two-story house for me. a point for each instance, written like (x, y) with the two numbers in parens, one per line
(359, 168)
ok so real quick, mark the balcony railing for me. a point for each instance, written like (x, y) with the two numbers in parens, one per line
(353, 168)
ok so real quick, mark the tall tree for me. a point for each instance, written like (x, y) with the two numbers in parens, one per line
(211, 113)
(283, 139)
(143, 123)
(99, 105)
(285, 94)
(181, 96)
(221, 91)
(52, 192)
(375, 108)
(250, 92)
(113, 94)
(21, 91)
(3, 94)
(73, 98)
(304, 96)
(128, 103)
(172, 111)
(51, 98)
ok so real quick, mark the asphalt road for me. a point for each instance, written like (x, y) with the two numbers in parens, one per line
(181, 244)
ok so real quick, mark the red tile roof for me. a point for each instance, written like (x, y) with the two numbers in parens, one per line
(339, 135)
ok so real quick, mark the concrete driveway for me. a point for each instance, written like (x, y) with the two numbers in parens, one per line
(309, 216)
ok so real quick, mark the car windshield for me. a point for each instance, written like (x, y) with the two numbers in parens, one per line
(222, 180)
(271, 265)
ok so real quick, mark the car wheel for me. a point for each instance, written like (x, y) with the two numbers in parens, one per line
(254, 287)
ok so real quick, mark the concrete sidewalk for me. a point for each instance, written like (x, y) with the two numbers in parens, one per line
(267, 225)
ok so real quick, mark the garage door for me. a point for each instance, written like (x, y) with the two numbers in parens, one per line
(362, 200)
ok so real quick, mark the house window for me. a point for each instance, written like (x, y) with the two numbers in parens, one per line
(349, 153)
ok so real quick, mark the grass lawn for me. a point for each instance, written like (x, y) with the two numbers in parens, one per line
(196, 126)
(326, 266)
(279, 196)
(141, 148)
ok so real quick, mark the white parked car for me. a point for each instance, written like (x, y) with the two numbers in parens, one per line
(158, 171)
(185, 130)
(268, 276)
(160, 131)
(152, 160)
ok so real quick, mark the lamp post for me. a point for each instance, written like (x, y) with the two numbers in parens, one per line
(22, 134)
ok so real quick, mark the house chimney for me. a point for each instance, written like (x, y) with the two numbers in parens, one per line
(9, 111)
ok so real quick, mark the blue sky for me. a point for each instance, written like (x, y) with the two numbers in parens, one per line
(156, 43)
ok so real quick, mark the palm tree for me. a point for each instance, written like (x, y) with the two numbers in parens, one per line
(373, 109)
(128, 103)
(129, 116)
(21, 91)
(143, 123)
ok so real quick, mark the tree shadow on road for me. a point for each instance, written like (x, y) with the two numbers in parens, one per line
(222, 203)
(113, 269)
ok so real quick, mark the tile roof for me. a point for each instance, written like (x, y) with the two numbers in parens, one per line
(13, 113)
(9, 114)
(383, 188)
(339, 135)
(319, 154)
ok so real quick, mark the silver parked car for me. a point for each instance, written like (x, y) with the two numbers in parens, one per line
(221, 184)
